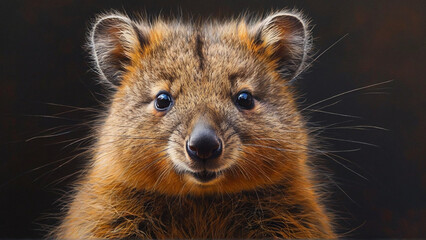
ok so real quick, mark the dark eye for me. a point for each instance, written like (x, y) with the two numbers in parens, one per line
(245, 100)
(163, 101)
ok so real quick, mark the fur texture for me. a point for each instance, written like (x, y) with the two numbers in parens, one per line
(137, 184)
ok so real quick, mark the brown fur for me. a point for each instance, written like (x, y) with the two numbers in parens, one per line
(136, 185)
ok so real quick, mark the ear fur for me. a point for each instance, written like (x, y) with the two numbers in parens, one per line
(287, 40)
(113, 41)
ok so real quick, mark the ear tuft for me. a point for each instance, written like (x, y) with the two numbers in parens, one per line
(287, 39)
(113, 41)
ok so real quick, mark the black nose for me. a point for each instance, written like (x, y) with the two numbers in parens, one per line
(203, 143)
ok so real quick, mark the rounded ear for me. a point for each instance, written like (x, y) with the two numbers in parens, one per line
(114, 39)
(287, 40)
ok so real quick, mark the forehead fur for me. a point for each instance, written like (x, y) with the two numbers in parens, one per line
(185, 49)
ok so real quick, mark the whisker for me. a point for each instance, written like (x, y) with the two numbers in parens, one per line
(341, 189)
(329, 105)
(161, 176)
(376, 93)
(343, 165)
(50, 117)
(259, 169)
(351, 141)
(360, 127)
(346, 92)
(47, 136)
(64, 178)
(270, 147)
(80, 141)
(340, 151)
(87, 109)
(61, 165)
(345, 159)
(322, 53)
(332, 113)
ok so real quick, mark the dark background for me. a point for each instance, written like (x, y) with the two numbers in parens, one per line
(43, 64)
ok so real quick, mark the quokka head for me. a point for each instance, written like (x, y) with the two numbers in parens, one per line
(201, 108)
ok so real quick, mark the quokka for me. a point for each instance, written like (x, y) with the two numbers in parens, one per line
(203, 137)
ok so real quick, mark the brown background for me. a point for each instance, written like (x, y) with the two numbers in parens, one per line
(42, 62)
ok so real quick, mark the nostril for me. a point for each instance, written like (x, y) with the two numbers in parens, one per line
(207, 150)
(204, 148)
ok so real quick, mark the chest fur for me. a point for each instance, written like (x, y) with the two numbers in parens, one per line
(246, 215)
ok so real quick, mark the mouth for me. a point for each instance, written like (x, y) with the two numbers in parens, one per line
(205, 176)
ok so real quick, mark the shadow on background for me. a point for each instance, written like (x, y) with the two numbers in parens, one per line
(45, 75)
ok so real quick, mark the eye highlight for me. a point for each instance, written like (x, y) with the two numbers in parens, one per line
(163, 101)
(244, 100)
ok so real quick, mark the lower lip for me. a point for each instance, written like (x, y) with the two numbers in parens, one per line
(205, 176)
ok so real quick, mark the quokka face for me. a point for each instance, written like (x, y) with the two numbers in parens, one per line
(201, 109)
